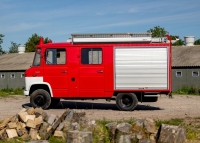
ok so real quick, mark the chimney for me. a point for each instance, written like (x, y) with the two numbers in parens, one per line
(21, 49)
(189, 40)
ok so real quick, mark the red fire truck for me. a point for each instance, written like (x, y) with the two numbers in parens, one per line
(126, 67)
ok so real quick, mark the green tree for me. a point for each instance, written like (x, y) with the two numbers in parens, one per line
(197, 42)
(33, 41)
(157, 31)
(1, 41)
(13, 47)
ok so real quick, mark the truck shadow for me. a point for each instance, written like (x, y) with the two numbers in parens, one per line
(92, 105)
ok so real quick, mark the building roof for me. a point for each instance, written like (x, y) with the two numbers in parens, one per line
(186, 56)
(16, 61)
(181, 57)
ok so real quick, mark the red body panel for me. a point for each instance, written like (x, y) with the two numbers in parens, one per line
(87, 81)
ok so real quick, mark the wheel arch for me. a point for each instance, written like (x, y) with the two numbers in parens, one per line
(41, 85)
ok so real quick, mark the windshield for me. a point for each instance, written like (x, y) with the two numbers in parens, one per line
(37, 60)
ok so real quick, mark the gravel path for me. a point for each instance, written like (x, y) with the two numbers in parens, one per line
(180, 106)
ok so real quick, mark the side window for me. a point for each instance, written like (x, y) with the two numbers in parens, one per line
(3, 76)
(195, 73)
(91, 56)
(55, 56)
(12, 76)
(22, 75)
(37, 58)
(178, 74)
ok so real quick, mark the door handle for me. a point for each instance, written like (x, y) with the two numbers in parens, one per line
(64, 71)
(100, 71)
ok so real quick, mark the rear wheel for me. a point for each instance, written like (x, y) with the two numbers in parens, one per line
(40, 98)
(126, 101)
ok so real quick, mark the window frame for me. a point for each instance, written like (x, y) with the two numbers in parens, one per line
(11, 76)
(22, 75)
(101, 49)
(55, 49)
(177, 74)
(196, 72)
(37, 56)
(3, 74)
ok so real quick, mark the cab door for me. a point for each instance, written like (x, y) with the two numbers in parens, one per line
(91, 76)
(56, 71)
(73, 57)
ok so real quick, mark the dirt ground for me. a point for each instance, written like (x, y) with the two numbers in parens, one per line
(180, 106)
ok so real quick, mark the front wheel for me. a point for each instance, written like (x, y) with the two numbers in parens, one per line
(40, 98)
(126, 101)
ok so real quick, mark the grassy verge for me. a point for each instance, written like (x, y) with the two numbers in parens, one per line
(188, 90)
(9, 91)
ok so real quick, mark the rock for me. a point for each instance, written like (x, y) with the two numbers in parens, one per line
(150, 125)
(139, 137)
(26, 137)
(152, 137)
(60, 127)
(58, 134)
(124, 127)
(111, 127)
(51, 119)
(3, 134)
(33, 134)
(14, 119)
(69, 116)
(11, 133)
(41, 141)
(5, 122)
(67, 126)
(22, 116)
(38, 120)
(38, 111)
(12, 125)
(146, 141)
(75, 126)
(79, 137)
(138, 131)
(31, 117)
(30, 124)
(140, 123)
(124, 139)
(31, 111)
(171, 134)
(83, 121)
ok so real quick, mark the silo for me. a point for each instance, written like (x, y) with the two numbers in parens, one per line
(189, 40)
(21, 49)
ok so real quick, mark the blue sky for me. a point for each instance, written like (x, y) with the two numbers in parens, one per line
(57, 20)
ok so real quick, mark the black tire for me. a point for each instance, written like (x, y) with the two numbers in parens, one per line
(40, 98)
(54, 101)
(126, 101)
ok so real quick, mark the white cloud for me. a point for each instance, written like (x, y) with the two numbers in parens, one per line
(20, 27)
